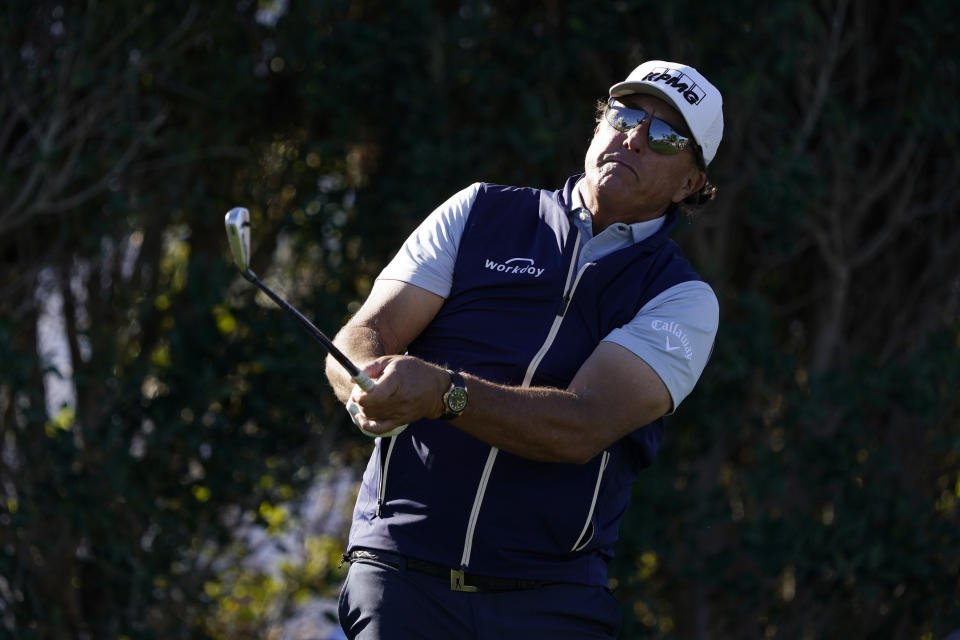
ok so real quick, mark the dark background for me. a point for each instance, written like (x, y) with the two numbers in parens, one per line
(808, 488)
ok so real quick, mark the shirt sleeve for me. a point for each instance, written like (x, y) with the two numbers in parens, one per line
(674, 334)
(427, 257)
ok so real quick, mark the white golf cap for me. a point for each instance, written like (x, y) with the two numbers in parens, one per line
(698, 101)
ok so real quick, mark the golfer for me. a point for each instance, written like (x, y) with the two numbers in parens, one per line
(532, 340)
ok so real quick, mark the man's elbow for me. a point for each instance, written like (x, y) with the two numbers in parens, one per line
(584, 456)
(578, 452)
(586, 444)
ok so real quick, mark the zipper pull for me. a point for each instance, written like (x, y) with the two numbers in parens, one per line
(564, 305)
(379, 506)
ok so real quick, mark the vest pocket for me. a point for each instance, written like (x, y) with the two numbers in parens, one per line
(586, 534)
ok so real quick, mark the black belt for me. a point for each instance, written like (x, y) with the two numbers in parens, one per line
(459, 580)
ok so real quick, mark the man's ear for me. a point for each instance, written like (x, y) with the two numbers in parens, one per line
(694, 182)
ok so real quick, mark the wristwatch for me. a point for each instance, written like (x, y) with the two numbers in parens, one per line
(455, 399)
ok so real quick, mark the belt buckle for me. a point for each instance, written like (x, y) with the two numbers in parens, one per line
(458, 583)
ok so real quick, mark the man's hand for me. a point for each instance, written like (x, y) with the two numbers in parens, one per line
(407, 389)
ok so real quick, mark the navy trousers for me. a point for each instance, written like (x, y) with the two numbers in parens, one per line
(381, 601)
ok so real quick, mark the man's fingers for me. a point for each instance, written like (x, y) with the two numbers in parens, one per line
(406, 390)
(379, 427)
(376, 368)
(373, 428)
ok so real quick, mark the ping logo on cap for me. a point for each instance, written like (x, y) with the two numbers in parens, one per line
(679, 81)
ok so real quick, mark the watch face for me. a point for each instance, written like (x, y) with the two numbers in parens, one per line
(457, 400)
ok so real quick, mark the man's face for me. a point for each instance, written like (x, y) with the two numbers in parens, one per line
(629, 181)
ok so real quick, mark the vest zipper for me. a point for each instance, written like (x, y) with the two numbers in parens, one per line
(384, 467)
(563, 307)
(557, 320)
(528, 376)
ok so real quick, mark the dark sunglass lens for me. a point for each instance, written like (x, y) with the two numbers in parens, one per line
(616, 119)
(663, 139)
(622, 118)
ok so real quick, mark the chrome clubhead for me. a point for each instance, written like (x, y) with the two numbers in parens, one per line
(237, 222)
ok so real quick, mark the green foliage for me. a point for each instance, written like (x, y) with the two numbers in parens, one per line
(809, 487)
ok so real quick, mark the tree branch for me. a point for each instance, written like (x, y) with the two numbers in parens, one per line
(824, 79)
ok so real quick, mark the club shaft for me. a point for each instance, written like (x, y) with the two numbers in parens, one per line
(318, 335)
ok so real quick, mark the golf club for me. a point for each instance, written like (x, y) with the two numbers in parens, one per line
(237, 222)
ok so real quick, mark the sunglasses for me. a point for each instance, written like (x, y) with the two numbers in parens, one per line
(662, 137)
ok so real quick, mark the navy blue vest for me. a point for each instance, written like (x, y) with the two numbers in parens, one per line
(438, 494)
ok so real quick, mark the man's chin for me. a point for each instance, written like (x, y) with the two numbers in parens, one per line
(615, 180)
(619, 170)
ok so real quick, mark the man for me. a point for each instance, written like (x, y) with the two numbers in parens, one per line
(544, 334)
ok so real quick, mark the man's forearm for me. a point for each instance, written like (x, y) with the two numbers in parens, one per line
(538, 423)
(393, 315)
(361, 344)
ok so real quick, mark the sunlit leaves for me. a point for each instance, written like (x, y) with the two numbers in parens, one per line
(62, 421)
(253, 602)
(276, 517)
(176, 252)
(226, 322)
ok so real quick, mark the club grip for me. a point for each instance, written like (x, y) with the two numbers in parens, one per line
(363, 381)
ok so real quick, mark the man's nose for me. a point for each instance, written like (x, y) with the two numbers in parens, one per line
(636, 139)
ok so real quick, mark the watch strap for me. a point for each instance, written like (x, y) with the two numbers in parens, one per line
(455, 397)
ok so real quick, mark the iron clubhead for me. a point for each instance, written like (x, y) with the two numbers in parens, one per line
(237, 222)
